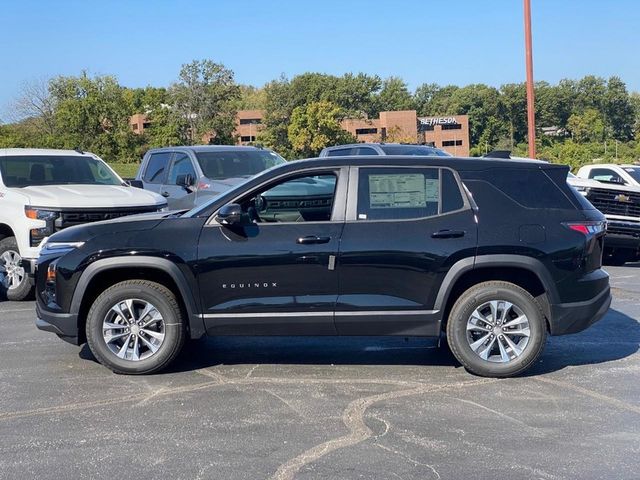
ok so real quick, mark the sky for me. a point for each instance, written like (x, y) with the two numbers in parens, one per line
(458, 42)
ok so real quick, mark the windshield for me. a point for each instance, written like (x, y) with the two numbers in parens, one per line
(634, 172)
(236, 163)
(413, 150)
(34, 170)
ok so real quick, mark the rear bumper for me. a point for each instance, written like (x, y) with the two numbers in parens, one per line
(65, 325)
(574, 317)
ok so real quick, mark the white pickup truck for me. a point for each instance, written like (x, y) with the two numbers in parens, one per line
(44, 191)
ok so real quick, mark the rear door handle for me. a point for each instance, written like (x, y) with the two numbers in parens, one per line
(165, 194)
(311, 239)
(448, 234)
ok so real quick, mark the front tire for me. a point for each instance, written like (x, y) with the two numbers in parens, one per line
(14, 281)
(496, 329)
(135, 327)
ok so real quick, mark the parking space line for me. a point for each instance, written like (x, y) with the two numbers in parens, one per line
(590, 393)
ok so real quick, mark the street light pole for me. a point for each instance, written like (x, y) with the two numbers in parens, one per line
(531, 114)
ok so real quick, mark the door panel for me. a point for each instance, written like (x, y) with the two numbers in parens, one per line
(275, 273)
(392, 269)
(251, 280)
(181, 165)
(156, 171)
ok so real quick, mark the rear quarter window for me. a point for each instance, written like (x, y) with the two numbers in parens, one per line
(528, 187)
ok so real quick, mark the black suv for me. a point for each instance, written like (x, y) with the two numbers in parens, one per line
(497, 253)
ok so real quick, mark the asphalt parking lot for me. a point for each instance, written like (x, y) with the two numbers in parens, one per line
(253, 408)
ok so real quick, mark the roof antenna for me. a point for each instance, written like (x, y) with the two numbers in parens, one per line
(78, 149)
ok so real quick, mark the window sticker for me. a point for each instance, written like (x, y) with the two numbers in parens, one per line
(400, 191)
(432, 189)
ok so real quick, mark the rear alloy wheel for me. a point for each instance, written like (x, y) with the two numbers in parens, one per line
(14, 281)
(496, 329)
(135, 327)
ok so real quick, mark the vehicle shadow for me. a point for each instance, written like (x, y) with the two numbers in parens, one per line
(615, 337)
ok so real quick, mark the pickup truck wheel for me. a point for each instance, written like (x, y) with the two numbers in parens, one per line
(14, 281)
(135, 327)
(619, 257)
(496, 329)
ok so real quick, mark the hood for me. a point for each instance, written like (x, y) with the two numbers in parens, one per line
(588, 183)
(131, 223)
(220, 185)
(90, 196)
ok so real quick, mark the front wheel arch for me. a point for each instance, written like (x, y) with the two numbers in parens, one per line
(104, 273)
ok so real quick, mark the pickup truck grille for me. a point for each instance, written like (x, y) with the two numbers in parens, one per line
(69, 218)
(615, 202)
(629, 230)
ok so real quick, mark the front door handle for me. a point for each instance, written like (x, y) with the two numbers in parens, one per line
(311, 239)
(448, 234)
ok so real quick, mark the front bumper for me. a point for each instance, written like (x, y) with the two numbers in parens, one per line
(65, 325)
(622, 235)
(574, 317)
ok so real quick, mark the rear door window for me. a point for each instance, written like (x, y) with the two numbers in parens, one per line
(157, 167)
(406, 193)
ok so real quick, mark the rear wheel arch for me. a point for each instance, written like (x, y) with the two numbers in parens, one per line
(105, 273)
(525, 272)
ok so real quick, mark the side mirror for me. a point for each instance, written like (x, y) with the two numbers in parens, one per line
(185, 181)
(229, 214)
(135, 183)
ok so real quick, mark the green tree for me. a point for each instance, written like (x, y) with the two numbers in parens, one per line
(587, 126)
(432, 99)
(394, 95)
(205, 96)
(93, 114)
(278, 108)
(514, 102)
(166, 128)
(251, 98)
(481, 103)
(618, 110)
(316, 126)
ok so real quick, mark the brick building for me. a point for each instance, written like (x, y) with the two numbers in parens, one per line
(450, 133)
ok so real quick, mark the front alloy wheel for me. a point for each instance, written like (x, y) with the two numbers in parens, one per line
(135, 327)
(11, 269)
(14, 281)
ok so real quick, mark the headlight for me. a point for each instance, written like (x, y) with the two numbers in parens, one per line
(40, 214)
(582, 190)
(37, 235)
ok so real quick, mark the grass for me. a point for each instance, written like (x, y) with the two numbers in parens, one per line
(127, 170)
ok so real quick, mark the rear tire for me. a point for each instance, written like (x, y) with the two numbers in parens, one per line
(135, 327)
(14, 282)
(496, 329)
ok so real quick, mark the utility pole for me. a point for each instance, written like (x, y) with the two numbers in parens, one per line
(531, 113)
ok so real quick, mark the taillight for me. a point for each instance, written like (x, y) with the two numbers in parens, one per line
(587, 228)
